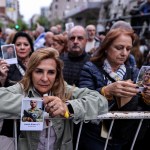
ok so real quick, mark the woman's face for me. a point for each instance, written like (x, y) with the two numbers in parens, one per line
(23, 47)
(119, 50)
(44, 75)
(57, 46)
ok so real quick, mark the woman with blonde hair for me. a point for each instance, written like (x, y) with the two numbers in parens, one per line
(43, 79)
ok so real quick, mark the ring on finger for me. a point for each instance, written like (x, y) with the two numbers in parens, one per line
(3, 67)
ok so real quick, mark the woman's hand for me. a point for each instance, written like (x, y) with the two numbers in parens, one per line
(4, 67)
(146, 93)
(122, 89)
(54, 106)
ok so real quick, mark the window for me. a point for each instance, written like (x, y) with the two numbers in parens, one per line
(56, 6)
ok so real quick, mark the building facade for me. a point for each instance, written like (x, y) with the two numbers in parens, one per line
(59, 9)
(9, 12)
(89, 11)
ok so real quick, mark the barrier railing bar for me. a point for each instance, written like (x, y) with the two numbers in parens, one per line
(110, 115)
(49, 134)
(111, 125)
(125, 115)
(137, 132)
(80, 129)
(15, 133)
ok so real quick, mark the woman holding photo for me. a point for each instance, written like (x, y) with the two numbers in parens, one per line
(44, 76)
(109, 72)
(24, 48)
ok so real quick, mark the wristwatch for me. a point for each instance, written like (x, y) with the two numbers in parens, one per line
(70, 109)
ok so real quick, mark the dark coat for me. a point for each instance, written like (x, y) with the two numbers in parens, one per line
(14, 76)
(94, 78)
(73, 66)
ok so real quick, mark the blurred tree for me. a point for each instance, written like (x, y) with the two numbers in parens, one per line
(44, 22)
(22, 25)
(19, 26)
(1, 25)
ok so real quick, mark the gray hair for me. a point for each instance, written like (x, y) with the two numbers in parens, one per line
(121, 24)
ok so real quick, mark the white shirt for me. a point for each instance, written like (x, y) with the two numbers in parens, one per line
(89, 46)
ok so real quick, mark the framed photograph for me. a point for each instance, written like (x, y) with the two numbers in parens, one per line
(32, 114)
(9, 53)
(143, 78)
(68, 26)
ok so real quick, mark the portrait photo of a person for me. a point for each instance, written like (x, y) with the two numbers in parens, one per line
(8, 51)
(33, 114)
(144, 77)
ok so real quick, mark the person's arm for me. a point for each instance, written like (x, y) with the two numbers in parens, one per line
(124, 91)
(87, 104)
(84, 104)
(40, 116)
(10, 99)
(90, 77)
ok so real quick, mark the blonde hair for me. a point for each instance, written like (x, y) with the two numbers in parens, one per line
(58, 89)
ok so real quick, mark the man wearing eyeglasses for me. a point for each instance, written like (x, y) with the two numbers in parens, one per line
(92, 41)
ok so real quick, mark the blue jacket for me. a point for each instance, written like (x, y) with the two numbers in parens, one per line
(93, 78)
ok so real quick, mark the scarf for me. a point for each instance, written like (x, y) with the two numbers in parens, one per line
(118, 75)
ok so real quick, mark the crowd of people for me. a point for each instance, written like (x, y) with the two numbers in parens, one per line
(83, 75)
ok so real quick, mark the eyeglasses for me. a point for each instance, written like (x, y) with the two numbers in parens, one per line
(72, 38)
(91, 30)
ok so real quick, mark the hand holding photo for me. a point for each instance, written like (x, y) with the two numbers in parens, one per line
(9, 53)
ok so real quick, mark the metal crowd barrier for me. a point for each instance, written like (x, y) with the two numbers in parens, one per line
(110, 115)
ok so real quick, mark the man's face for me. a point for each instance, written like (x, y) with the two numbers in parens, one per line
(10, 50)
(91, 32)
(33, 103)
(146, 78)
(77, 41)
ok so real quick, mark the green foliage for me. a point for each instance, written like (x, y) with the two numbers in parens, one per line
(19, 26)
(57, 21)
(33, 26)
(44, 22)
(22, 25)
(1, 25)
